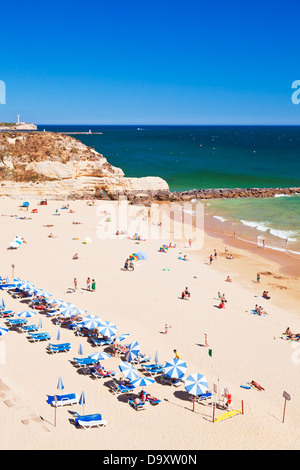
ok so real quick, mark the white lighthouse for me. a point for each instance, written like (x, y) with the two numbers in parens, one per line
(18, 119)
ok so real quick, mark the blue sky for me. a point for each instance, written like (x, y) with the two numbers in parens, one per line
(150, 62)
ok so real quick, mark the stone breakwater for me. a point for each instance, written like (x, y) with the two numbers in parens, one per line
(226, 193)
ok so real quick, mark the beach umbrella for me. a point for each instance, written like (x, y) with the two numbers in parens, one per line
(67, 309)
(47, 295)
(3, 304)
(23, 285)
(107, 328)
(88, 240)
(128, 370)
(82, 400)
(142, 255)
(120, 337)
(26, 314)
(91, 322)
(40, 324)
(80, 311)
(55, 301)
(175, 369)
(156, 357)
(133, 351)
(60, 385)
(58, 334)
(142, 381)
(80, 350)
(25, 204)
(3, 330)
(196, 384)
(99, 356)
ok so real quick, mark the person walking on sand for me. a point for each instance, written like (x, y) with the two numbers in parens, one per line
(258, 278)
(210, 259)
(205, 340)
(190, 243)
(75, 284)
(93, 285)
(166, 328)
(88, 283)
(215, 254)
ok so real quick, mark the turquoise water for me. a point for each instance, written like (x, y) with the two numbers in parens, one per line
(190, 157)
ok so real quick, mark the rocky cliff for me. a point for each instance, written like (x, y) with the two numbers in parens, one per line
(56, 165)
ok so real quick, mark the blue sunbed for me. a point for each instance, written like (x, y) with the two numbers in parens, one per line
(88, 421)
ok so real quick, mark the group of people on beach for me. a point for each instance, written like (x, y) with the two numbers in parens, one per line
(128, 265)
(259, 310)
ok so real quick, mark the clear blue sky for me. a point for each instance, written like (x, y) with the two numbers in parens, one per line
(150, 62)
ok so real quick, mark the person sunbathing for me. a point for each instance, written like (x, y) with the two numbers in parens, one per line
(75, 256)
(256, 385)
(266, 295)
(228, 279)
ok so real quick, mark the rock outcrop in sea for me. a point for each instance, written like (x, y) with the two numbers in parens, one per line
(52, 165)
(56, 165)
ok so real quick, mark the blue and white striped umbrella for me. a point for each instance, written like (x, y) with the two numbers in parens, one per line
(55, 301)
(120, 337)
(133, 351)
(175, 369)
(91, 322)
(60, 384)
(128, 370)
(82, 400)
(3, 330)
(107, 328)
(196, 384)
(99, 356)
(26, 314)
(25, 285)
(46, 295)
(142, 381)
(67, 309)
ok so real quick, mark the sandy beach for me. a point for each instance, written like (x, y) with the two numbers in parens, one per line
(244, 346)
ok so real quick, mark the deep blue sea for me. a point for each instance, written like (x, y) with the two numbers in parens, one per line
(190, 157)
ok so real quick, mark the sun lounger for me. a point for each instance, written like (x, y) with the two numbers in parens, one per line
(16, 321)
(141, 358)
(84, 362)
(137, 406)
(164, 379)
(118, 389)
(7, 313)
(203, 397)
(102, 374)
(36, 337)
(27, 328)
(152, 400)
(56, 348)
(88, 421)
(100, 341)
(154, 371)
(152, 366)
(62, 400)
